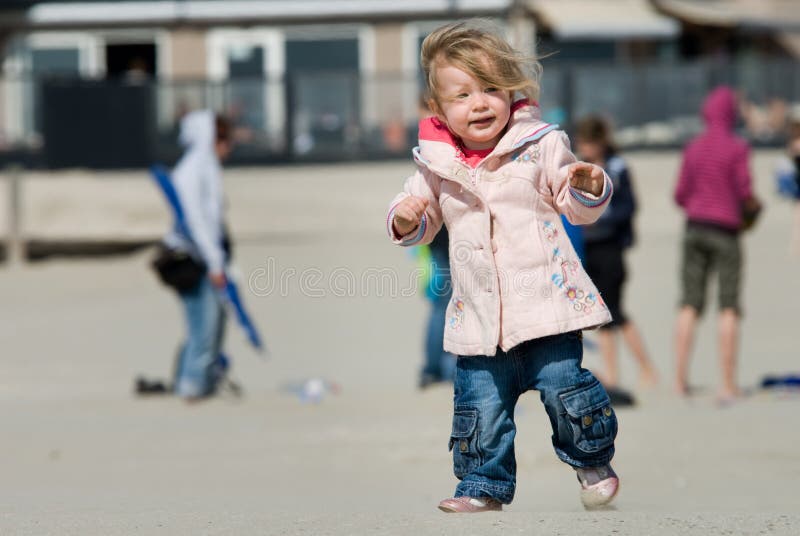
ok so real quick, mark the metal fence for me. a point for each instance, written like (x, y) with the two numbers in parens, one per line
(346, 115)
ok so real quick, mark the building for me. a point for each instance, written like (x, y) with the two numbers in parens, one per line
(315, 72)
(313, 78)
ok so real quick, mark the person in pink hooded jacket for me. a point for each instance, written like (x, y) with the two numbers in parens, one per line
(713, 188)
(499, 177)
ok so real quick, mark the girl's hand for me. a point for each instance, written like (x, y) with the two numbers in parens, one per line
(408, 214)
(586, 177)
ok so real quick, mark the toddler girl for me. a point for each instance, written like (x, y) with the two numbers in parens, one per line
(498, 178)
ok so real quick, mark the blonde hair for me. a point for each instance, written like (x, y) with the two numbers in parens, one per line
(475, 47)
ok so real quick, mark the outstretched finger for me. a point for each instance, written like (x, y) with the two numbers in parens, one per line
(420, 205)
(582, 168)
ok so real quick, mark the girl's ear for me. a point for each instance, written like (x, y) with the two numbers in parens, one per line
(434, 107)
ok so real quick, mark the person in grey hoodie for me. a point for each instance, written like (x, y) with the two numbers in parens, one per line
(198, 182)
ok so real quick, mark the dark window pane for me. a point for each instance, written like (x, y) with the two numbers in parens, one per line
(324, 54)
(55, 61)
(577, 51)
(246, 63)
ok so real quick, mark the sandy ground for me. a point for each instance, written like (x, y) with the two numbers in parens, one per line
(81, 455)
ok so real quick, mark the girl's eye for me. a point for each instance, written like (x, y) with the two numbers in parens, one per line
(490, 89)
(462, 96)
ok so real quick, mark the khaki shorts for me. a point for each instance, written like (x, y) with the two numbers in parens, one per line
(708, 249)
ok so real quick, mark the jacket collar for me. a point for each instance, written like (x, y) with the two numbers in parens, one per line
(439, 149)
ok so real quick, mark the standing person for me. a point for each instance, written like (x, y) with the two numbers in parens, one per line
(787, 175)
(439, 364)
(713, 186)
(605, 242)
(198, 182)
(498, 178)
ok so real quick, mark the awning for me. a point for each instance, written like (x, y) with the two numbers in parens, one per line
(608, 19)
(757, 14)
(132, 12)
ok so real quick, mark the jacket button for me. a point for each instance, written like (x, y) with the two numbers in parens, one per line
(587, 420)
(463, 446)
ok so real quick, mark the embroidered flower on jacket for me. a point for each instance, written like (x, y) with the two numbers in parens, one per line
(456, 320)
(527, 156)
(578, 298)
(550, 231)
(580, 301)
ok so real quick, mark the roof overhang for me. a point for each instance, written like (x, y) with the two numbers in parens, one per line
(46, 15)
(749, 14)
(609, 19)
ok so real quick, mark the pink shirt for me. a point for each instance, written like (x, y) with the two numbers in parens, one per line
(474, 157)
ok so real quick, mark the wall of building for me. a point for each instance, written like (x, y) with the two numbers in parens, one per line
(187, 55)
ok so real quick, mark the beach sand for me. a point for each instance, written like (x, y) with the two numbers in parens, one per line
(82, 455)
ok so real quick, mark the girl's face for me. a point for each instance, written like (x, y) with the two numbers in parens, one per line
(476, 114)
(590, 151)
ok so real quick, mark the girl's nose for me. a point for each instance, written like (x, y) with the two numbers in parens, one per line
(479, 102)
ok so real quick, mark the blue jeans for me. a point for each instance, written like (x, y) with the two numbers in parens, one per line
(196, 373)
(486, 393)
(439, 365)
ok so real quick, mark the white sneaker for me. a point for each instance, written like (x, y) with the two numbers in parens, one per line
(599, 485)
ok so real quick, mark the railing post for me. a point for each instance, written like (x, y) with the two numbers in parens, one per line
(15, 244)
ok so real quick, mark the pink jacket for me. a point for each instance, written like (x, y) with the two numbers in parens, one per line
(715, 174)
(514, 272)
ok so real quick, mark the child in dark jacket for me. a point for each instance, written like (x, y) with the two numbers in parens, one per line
(714, 186)
(787, 175)
(604, 244)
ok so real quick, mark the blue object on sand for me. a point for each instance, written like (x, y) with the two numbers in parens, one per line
(782, 381)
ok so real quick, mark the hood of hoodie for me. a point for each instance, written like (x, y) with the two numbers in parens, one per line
(198, 130)
(719, 108)
(438, 147)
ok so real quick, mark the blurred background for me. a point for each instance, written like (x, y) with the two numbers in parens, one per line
(103, 84)
(324, 99)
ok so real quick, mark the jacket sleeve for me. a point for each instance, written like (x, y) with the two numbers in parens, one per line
(198, 198)
(578, 206)
(426, 185)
